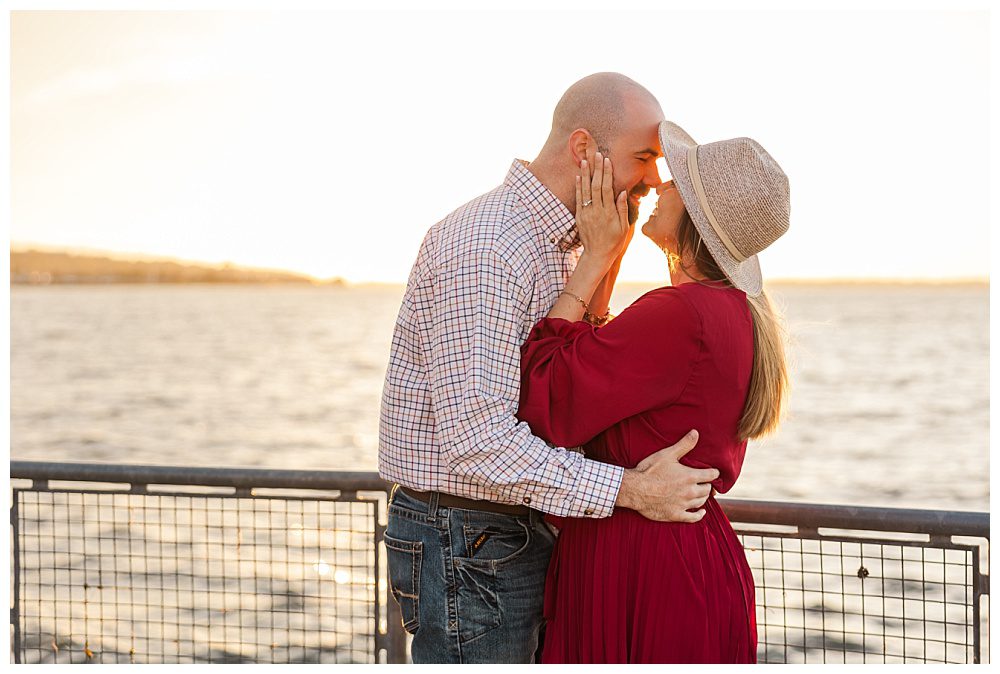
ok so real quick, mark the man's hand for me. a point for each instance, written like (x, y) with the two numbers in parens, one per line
(663, 489)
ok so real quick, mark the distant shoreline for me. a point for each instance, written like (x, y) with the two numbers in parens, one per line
(44, 268)
(99, 283)
(622, 285)
(35, 267)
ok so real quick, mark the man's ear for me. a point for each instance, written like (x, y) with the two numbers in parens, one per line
(582, 146)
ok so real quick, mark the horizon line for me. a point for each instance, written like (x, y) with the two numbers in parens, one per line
(789, 280)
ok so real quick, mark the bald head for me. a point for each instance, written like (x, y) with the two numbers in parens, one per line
(607, 113)
(600, 103)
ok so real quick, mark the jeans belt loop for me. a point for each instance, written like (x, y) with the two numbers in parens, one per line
(432, 506)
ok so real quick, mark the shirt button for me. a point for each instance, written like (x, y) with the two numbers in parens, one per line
(588, 512)
(527, 500)
(552, 239)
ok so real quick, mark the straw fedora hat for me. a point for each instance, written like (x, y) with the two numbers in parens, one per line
(737, 197)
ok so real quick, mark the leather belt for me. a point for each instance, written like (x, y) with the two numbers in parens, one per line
(451, 501)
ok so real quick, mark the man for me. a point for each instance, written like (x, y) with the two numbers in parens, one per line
(467, 549)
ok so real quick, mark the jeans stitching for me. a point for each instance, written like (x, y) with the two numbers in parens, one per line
(491, 567)
(412, 515)
(415, 551)
(451, 587)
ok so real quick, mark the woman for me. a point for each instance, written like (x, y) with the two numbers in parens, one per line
(705, 353)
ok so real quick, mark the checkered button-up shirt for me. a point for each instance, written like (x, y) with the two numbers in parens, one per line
(483, 277)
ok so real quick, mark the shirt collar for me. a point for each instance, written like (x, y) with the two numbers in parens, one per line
(551, 215)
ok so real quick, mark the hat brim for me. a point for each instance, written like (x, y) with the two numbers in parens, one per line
(676, 144)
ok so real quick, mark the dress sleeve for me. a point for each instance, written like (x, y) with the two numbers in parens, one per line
(577, 380)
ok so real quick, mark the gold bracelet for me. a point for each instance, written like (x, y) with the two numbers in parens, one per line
(579, 299)
(597, 321)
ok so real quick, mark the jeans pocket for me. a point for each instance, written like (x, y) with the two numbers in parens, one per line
(404, 559)
(477, 599)
(493, 544)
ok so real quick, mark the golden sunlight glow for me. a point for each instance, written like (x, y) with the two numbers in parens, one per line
(328, 143)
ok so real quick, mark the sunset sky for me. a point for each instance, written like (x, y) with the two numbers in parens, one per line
(328, 142)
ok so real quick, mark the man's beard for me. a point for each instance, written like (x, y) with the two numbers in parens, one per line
(633, 206)
(633, 212)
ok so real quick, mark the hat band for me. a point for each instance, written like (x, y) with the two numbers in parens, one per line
(699, 190)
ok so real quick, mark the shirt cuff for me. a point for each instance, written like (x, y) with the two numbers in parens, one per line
(597, 489)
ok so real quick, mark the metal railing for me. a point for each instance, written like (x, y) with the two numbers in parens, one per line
(850, 584)
(123, 563)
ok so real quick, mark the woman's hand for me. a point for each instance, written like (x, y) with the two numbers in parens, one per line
(601, 219)
(625, 244)
(602, 223)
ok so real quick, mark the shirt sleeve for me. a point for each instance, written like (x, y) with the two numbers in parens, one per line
(474, 365)
(577, 380)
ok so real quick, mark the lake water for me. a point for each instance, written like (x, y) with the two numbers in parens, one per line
(890, 399)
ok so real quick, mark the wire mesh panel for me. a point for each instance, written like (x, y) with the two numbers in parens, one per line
(125, 577)
(856, 600)
(137, 570)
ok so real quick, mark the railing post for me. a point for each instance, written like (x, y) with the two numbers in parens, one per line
(395, 636)
(15, 610)
(977, 598)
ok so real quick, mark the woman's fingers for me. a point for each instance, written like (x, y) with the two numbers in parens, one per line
(598, 181)
(607, 191)
(601, 219)
(579, 196)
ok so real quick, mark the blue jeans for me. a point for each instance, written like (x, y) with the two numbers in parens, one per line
(470, 584)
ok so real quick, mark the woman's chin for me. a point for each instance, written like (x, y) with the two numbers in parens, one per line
(651, 235)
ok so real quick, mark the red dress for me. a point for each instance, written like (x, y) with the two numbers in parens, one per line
(625, 588)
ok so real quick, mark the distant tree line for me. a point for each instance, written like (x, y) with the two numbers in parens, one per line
(43, 268)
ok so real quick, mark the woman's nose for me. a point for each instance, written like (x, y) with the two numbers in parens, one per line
(663, 187)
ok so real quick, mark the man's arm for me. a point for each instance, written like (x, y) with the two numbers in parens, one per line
(472, 343)
(473, 347)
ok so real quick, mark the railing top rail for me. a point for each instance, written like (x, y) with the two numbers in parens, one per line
(903, 520)
(868, 518)
(198, 475)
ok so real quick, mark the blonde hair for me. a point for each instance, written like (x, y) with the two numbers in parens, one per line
(769, 376)
(768, 390)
